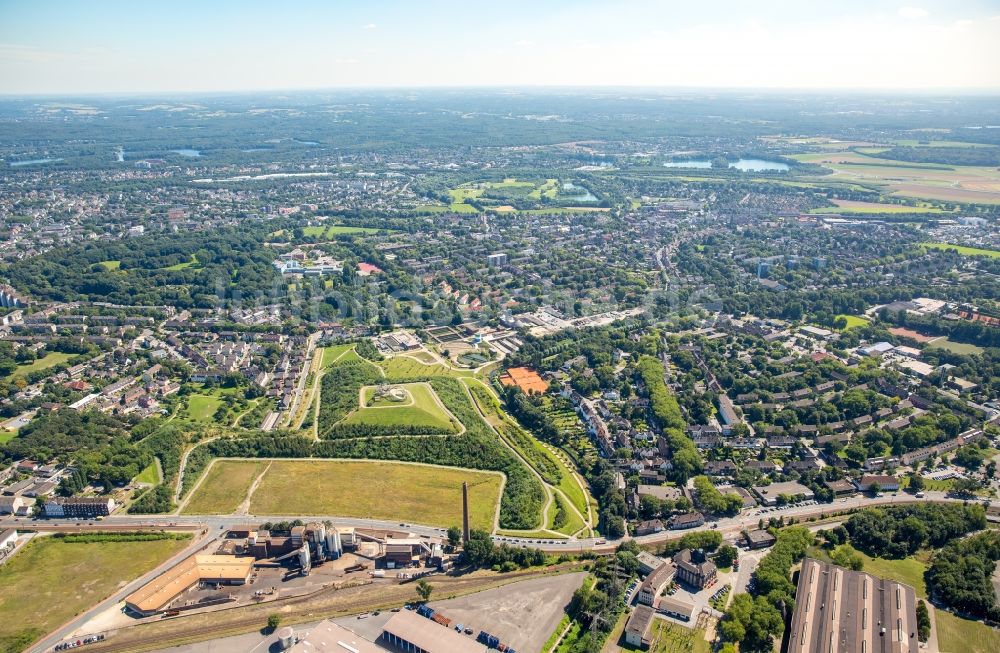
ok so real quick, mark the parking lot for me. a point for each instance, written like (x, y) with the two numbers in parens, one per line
(522, 614)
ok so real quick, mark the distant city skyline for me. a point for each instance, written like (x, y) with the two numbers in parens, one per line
(66, 48)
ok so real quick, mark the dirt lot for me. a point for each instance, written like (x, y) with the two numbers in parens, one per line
(522, 615)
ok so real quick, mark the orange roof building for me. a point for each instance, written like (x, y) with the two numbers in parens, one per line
(526, 379)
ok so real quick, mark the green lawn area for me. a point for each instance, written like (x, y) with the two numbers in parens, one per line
(328, 231)
(201, 407)
(961, 249)
(331, 354)
(854, 321)
(957, 635)
(909, 571)
(50, 581)
(378, 490)
(916, 143)
(407, 367)
(182, 266)
(672, 638)
(150, 475)
(420, 409)
(225, 487)
(50, 359)
(955, 347)
(110, 265)
(6, 436)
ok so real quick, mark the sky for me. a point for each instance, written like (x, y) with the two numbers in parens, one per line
(153, 46)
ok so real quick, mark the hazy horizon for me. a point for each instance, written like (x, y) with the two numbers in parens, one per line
(58, 48)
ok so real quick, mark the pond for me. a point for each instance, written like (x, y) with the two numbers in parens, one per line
(188, 152)
(690, 163)
(583, 194)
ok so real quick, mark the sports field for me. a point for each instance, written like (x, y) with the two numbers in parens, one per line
(224, 488)
(202, 407)
(965, 251)
(401, 492)
(50, 359)
(955, 347)
(420, 407)
(51, 580)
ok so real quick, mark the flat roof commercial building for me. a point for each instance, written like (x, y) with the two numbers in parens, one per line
(841, 610)
(158, 593)
(328, 637)
(410, 632)
(792, 489)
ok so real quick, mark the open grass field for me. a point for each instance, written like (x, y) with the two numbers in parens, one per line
(909, 571)
(183, 266)
(50, 359)
(916, 143)
(854, 321)
(955, 347)
(50, 581)
(150, 475)
(405, 367)
(379, 490)
(421, 408)
(202, 407)
(224, 488)
(965, 251)
(6, 436)
(324, 231)
(331, 354)
(978, 184)
(110, 265)
(957, 635)
(852, 206)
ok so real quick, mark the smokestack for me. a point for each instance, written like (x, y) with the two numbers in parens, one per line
(465, 512)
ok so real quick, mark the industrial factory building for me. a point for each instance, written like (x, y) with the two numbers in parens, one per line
(158, 593)
(839, 609)
(407, 631)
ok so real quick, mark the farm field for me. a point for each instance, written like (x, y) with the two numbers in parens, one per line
(979, 184)
(957, 635)
(853, 206)
(420, 408)
(50, 359)
(965, 251)
(419, 493)
(51, 580)
(224, 488)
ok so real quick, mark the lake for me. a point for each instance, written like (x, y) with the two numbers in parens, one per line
(743, 165)
(759, 165)
(32, 162)
(691, 163)
(186, 152)
(584, 194)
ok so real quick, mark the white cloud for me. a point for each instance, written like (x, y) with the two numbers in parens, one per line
(963, 23)
(371, 26)
(913, 12)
